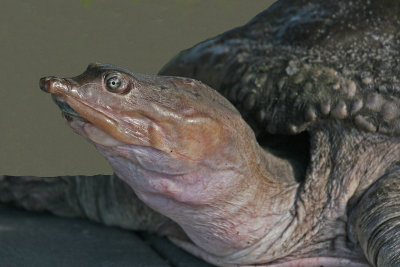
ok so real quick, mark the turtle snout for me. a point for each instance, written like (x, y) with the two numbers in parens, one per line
(52, 84)
(44, 83)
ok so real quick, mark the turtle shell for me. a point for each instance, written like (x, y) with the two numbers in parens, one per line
(300, 63)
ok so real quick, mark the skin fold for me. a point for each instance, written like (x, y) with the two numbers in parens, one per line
(297, 173)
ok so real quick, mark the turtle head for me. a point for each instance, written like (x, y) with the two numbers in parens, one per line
(112, 106)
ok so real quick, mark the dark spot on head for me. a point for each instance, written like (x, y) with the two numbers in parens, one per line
(162, 87)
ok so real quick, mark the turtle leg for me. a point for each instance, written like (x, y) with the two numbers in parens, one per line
(102, 198)
(376, 221)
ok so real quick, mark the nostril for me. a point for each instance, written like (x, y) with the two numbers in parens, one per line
(43, 84)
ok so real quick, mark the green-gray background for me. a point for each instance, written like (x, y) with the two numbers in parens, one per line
(49, 37)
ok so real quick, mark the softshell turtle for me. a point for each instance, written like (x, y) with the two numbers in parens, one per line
(304, 171)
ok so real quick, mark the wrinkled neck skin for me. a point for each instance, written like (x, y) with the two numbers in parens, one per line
(226, 203)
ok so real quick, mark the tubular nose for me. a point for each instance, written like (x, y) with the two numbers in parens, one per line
(44, 83)
(53, 84)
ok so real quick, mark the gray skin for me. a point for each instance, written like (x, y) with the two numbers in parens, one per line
(317, 81)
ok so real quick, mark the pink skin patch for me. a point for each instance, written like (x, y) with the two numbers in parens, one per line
(166, 195)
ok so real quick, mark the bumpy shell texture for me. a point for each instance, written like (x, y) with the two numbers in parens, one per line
(303, 62)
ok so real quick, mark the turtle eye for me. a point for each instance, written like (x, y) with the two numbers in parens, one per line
(115, 83)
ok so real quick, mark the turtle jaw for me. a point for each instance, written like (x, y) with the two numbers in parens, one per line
(54, 86)
(60, 90)
(68, 113)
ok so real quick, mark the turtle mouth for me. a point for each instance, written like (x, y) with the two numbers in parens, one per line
(68, 112)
